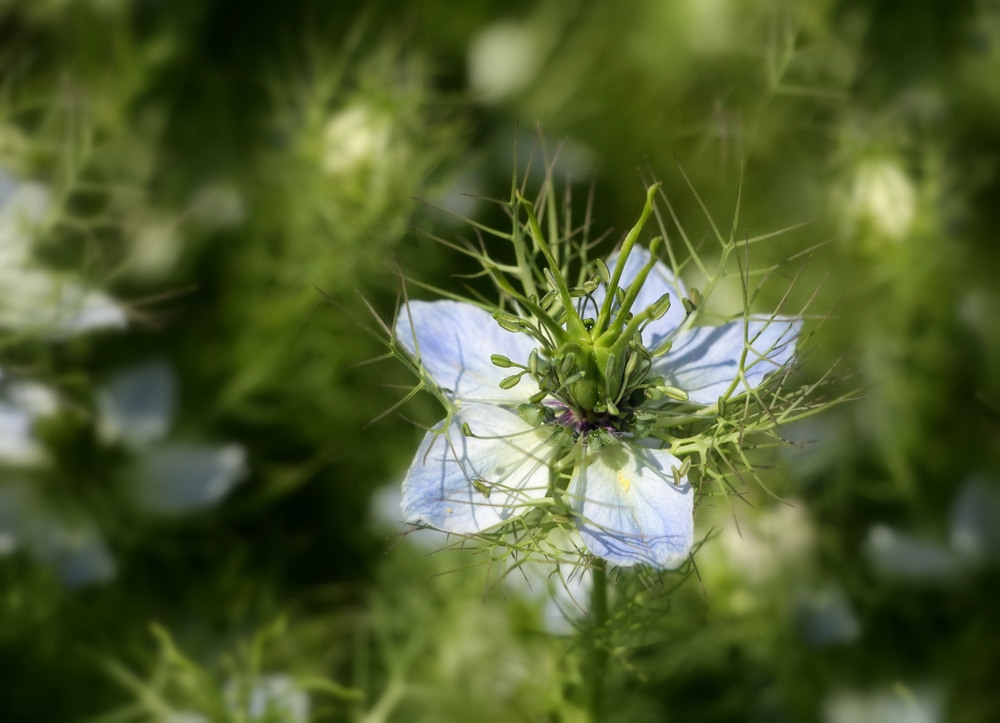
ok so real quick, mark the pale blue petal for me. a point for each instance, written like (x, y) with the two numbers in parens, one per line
(705, 360)
(18, 445)
(269, 697)
(182, 478)
(630, 511)
(975, 521)
(37, 300)
(76, 553)
(507, 457)
(137, 405)
(661, 280)
(911, 558)
(22, 208)
(455, 343)
(14, 509)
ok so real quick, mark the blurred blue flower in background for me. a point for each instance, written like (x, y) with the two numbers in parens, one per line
(168, 478)
(136, 409)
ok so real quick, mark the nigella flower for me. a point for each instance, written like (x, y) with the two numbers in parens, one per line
(583, 429)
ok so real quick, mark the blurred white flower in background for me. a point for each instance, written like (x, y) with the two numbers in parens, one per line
(21, 404)
(768, 560)
(270, 697)
(503, 60)
(897, 704)
(33, 298)
(356, 138)
(765, 546)
(218, 205)
(266, 698)
(155, 250)
(883, 198)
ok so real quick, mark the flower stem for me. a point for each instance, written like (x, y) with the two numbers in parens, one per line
(597, 654)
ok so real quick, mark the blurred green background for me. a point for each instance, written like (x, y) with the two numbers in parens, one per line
(197, 520)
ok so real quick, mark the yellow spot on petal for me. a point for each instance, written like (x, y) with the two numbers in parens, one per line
(624, 481)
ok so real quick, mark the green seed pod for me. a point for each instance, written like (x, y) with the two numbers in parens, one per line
(511, 322)
(603, 271)
(663, 348)
(483, 487)
(631, 365)
(511, 381)
(674, 393)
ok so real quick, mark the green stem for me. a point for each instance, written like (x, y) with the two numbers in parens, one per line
(597, 654)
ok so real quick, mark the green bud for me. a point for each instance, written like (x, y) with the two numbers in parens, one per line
(501, 361)
(466, 430)
(532, 414)
(688, 305)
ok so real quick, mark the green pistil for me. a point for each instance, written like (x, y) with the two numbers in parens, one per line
(574, 324)
(594, 362)
(631, 237)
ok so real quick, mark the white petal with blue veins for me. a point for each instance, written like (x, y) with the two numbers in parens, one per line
(466, 484)
(630, 509)
(455, 343)
(661, 280)
(705, 360)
